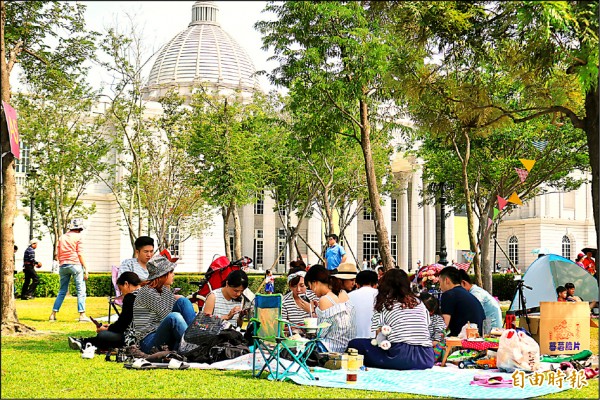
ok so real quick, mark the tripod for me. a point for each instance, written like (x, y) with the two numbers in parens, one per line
(522, 310)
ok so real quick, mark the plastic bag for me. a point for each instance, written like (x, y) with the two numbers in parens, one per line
(517, 350)
(463, 331)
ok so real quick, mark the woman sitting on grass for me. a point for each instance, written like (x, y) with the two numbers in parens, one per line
(225, 302)
(338, 313)
(298, 303)
(159, 316)
(397, 307)
(113, 336)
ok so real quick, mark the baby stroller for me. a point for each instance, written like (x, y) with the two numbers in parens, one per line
(215, 277)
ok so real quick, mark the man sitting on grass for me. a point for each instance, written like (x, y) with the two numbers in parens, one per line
(458, 305)
(491, 307)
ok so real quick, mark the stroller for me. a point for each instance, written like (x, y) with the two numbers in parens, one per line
(215, 277)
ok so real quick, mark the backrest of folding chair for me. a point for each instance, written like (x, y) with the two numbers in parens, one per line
(115, 276)
(267, 309)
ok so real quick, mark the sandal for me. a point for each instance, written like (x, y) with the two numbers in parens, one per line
(493, 382)
(139, 363)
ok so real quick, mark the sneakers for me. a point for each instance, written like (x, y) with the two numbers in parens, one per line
(75, 344)
(89, 351)
(84, 319)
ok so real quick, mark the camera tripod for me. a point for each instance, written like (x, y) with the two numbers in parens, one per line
(522, 309)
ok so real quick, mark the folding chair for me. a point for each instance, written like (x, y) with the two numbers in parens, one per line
(270, 340)
(117, 299)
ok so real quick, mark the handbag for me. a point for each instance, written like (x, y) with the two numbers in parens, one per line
(203, 327)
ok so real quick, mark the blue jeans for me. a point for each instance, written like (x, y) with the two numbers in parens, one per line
(66, 271)
(171, 329)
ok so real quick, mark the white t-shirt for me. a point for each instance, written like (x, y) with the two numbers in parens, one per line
(363, 300)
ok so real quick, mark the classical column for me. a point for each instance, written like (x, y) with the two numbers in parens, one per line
(314, 236)
(416, 214)
(403, 261)
(351, 235)
(429, 234)
(247, 221)
(270, 236)
(386, 208)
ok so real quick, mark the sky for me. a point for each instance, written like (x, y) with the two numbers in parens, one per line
(160, 21)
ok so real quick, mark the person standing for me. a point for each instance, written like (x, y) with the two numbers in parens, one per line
(29, 266)
(144, 249)
(72, 264)
(335, 254)
(365, 264)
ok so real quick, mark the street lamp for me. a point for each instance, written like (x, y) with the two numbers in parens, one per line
(31, 175)
(442, 187)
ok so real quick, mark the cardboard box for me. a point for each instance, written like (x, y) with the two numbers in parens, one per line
(533, 327)
(564, 328)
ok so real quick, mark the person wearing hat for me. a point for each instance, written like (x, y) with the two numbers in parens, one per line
(72, 264)
(579, 260)
(29, 266)
(298, 303)
(344, 279)
(160, 316)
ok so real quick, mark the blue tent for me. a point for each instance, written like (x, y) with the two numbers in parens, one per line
(547, 273)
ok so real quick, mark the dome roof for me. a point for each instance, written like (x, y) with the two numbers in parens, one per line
(203, 52)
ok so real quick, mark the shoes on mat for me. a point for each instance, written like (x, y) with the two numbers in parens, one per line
(492, 381)
(75, 344)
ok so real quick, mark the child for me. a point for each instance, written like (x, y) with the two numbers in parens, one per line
(561, 293)
(437, 327)
(269, 282)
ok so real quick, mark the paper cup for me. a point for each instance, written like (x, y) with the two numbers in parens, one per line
(310, 324)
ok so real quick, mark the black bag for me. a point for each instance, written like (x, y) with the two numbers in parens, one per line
(227, 351)
(202, 352)
(203, 327)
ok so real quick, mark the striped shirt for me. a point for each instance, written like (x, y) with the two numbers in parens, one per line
(409, 325)
(437, 328)
(290, 310)
(223, 306)
(132, 265)
(150, 308)
(341, 317)
(69, 248)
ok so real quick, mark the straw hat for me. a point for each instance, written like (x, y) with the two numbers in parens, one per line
(346, 270)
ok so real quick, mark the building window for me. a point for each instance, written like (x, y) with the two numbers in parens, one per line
(259, 206)
(566, 247)
(281, 242)
(367, 213)
(394, 248)
(173, 239)
(370, 246)
(281, 209)
(259, 248)
(513, 250)
(394, 209)
(22, 164)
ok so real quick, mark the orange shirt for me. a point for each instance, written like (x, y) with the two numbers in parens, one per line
(69, 248)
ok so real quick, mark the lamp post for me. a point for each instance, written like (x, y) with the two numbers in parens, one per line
(442, 187)
(31, 175)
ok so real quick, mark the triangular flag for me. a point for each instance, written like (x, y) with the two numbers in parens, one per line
(540, 144)
(528, 164)
(522, 174)
(496, 212)
(489, 223)
(501, 202)
(514, 198)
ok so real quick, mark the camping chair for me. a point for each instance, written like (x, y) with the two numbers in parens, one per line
(117, 299)
(270, 341)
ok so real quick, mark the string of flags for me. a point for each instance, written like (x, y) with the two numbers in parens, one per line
(468, 255)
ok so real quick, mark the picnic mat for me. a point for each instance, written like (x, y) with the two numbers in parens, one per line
(437, 381)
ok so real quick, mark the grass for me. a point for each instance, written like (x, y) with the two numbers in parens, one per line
(41, 365)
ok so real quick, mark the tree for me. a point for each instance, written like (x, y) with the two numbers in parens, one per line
(25, 28)
(225, 144)
(335, 57)
(174, 204)
(491, 170)
(66, 156)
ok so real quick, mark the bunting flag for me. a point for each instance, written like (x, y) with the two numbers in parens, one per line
(501, 202)
(528, 164)
(489, 223)
(496, 211)
(468, 255)
(522, 174)
(540, 144)
(463, 266)
(514, 198)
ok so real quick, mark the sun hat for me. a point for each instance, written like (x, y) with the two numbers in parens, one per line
(159, 266)
(76, 223)
(33, 241)
(346, 270)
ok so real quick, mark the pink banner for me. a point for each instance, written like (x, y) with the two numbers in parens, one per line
(13, 131)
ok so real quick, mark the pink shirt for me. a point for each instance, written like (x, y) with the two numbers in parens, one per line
(69, 248)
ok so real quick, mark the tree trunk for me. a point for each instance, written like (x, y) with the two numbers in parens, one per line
(484, 246)
(591, 130)
(237, 233)
(469, 206)
(328, 211)
(225, 214)
(374, 198)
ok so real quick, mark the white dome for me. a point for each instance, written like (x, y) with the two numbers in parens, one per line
(203, 52)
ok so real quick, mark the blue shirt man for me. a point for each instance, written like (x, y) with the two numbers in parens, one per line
(335, 254)
(491, 307)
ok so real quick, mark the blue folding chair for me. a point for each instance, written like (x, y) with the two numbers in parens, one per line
(270, 340)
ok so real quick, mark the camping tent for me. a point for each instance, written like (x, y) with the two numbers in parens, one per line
(546, 273)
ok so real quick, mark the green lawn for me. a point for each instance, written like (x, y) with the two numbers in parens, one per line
(41, 365)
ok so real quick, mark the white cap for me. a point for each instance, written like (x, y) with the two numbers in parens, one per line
(33, 241)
